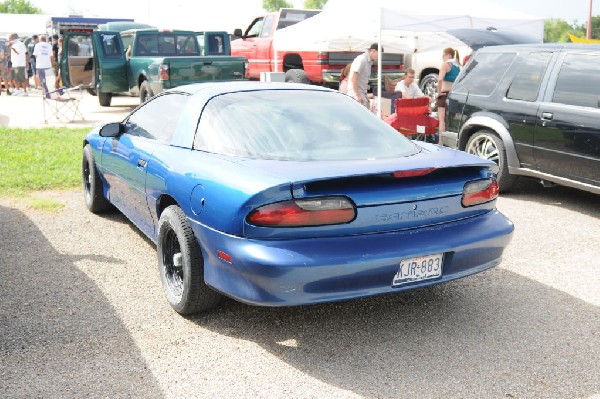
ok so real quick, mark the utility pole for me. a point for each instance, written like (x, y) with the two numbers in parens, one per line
(588, 32)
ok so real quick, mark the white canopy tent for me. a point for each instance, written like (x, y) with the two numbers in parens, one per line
(342, 26)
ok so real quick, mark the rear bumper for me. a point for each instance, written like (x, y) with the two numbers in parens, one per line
(306, 271)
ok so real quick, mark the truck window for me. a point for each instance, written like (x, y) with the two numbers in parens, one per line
(526, 83)
(267, 26)
(255, 28)
(578, 81)
(110, 46)
(291, 17)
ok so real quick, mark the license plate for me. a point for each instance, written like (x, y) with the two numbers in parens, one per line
(418, 269)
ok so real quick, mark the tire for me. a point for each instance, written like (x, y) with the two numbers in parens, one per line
(181, 265)
(488, 145)
(428, 86)
(93, 189)
(145, 92)
(296, 76)
(104, 99)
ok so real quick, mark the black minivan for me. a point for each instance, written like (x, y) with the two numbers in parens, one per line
(533, 109)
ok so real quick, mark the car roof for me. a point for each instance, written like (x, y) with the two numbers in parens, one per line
(541, 46)
(215, 88)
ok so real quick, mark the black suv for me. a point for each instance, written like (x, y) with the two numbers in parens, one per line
(532, 109)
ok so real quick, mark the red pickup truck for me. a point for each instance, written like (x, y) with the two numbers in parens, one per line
(317, 67)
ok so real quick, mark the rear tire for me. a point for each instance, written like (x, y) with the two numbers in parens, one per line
(93, 189)
(145, 92)
(181, 265)
(488, 145)
(296, 76)
(104, 99)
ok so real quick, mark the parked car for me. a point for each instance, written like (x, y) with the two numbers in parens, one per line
(288, 194)
(532, 109)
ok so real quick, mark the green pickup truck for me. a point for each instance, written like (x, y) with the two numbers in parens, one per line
(144, 62)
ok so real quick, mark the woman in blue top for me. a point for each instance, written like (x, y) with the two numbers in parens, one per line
(448, 73)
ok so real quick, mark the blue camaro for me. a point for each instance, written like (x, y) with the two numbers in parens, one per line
(283, 194)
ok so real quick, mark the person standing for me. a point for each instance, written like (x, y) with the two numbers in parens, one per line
(18, 58)
(4, 68)
(43, 56)
(360, 72)
(34, 40)
(448, 73)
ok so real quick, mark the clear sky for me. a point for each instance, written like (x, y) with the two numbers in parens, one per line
(230, 14)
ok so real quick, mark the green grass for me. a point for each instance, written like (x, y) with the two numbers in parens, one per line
(39, 159)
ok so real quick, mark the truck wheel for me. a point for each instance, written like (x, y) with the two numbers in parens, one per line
(145, 92)
(429, 86)
(181, 265)
(488, 145)
(104, 99)
(296, 76)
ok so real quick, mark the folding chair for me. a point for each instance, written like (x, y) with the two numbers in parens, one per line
(412, 118)
(61, 105)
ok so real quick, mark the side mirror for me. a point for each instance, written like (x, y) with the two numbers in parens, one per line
(238, 32)
(112, 129)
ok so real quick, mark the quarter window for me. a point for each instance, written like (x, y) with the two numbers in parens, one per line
(157, 119)
(527, 81)
(578, 81)
(483, 73)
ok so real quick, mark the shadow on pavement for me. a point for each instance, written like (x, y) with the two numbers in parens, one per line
(496, 334)
(59, 336)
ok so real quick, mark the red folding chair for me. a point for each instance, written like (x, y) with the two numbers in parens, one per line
(412, 118)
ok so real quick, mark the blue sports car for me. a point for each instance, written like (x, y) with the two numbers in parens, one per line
(281, 194)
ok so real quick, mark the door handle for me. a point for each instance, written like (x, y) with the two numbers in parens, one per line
(207, 62)
(547, 116)
(142, 163)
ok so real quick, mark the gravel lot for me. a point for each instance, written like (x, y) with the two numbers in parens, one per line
(82, 315)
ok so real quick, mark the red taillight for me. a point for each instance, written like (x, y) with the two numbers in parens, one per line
(304, 212)
(480, 191)
(413, 173)
(164, 72)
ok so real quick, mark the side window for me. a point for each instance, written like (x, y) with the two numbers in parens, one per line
(267, 26)
(483, 73)
(255, 28)
(158, 118)
(216, 44)
(578, 81)
(526, 83)
(110, 45)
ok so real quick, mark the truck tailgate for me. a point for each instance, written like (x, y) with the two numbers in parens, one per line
(185, 70)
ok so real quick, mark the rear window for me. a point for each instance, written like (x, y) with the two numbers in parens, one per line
(166, 44)
(296, 125)
(482, 73)
(578, 82)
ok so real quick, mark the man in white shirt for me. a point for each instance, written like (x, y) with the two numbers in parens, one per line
(408, 87)
(360, 72)
(18, 58)
(43, 60)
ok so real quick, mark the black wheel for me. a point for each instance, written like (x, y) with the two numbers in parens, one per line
(181, 265)
(145, 91)
(92, 184)
(428, 86)
(296, 76)
(104, 99)
(488, 145)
